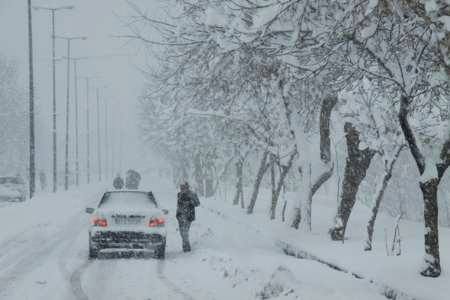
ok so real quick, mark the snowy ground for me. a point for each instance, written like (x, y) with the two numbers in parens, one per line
(44, 256)
(399, 273)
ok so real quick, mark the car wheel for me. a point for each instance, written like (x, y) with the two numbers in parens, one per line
(93, 253)
(160, 252)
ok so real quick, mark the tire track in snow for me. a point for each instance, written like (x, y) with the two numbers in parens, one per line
(27, 262)
(13, 241)
(32, 254)
(73, 277)
(75, 281)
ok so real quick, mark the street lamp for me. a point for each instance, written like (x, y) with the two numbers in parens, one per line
(88, 130)
(75, 61)
(32, 149)
(66, 161)
(99, 156)
(53, 11)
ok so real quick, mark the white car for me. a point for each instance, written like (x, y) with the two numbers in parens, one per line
(12, 189)
(127, 221)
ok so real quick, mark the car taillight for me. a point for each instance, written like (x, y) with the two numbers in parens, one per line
(100, 222)
(157, 222)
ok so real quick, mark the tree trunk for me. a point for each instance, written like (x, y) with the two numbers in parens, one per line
(259, 177)
(239, 182)
(242, 200)
(284, 172)
(356, 166)
(312, 191)
(378, 198)
(328, 105)
(198, 175)
(208, 176)
(273, 202)
(283, 212)
(429, 191)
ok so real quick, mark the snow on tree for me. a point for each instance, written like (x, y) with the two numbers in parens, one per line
(258, 81)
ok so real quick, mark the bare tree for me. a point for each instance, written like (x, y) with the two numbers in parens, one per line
(264, 165)
(356, 166)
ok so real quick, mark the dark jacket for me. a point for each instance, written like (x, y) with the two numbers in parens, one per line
(186, 204)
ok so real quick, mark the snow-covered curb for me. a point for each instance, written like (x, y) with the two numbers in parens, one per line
(291, 249)
(388, 291)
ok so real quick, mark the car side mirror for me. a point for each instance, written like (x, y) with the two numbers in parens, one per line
(165, 211)
(90, 210)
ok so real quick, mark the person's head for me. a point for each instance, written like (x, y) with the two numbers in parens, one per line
(184, 186)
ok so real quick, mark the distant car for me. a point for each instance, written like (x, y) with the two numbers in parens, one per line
(127, 221)
(12, 189)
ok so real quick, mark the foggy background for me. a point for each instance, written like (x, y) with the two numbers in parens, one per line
(114, 68)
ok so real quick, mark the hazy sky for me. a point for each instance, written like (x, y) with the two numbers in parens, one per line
(119, 77)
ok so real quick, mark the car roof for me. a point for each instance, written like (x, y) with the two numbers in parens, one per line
(128, 191)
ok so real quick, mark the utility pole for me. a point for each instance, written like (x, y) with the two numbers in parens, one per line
(52, 11)
(121, 140)
(77, 124)
(113, 144)
(77, 149)
(107, 166)
(88, 125)
(66, 160)
(32, 166)
(88, 134)
(99, 155)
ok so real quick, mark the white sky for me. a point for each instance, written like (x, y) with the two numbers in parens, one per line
(98, 20)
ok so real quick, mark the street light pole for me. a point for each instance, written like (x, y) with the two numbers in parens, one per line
(113, 143)
(32, 166)
(99, 156)
(53, 10)
(66, 161)
(88, 135)
(77, 154)
(107, 166)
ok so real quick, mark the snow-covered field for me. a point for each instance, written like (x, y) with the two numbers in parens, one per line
(44, 256)
(398, 274)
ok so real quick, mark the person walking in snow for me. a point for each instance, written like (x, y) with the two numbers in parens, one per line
(118, 182)
(186, 203)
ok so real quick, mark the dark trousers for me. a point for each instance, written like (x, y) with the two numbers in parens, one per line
(184, 226)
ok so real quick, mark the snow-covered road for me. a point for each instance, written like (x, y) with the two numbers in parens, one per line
(44, 256)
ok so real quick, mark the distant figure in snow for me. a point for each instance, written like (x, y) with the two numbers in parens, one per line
(118, 182)
(186, 204)
(132, 180)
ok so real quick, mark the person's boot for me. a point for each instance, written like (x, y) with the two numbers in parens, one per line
(186, 247)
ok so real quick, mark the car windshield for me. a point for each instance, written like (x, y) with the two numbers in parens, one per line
(133, 200)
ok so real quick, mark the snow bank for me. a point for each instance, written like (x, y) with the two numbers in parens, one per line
(48, 211)
(395, 274)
